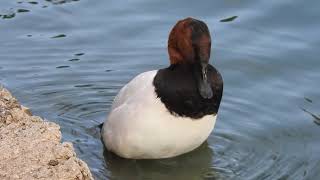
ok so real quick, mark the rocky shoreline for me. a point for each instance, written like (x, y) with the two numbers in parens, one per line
(31, 148)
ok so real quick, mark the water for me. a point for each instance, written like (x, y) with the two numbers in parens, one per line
(68, 59)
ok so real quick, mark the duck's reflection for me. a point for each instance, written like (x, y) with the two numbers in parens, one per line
(193, 165)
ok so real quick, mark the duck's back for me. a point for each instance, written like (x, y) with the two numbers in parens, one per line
(133, 92)
(140, 126)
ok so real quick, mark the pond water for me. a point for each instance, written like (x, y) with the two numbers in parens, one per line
(67, 60)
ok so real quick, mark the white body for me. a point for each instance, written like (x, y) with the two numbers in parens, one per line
(140, 127)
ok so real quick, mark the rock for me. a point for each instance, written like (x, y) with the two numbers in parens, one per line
(31, 148)
(53, 163)
(26, 110)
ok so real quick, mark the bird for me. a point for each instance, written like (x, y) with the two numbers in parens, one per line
(171, 111)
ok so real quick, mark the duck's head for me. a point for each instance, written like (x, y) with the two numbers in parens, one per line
(190, 43)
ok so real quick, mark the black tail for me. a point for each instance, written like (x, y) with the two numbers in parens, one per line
(100, 126)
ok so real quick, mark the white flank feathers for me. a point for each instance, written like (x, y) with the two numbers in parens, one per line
(139, 125)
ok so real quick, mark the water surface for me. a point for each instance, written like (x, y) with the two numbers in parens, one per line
(67, 59)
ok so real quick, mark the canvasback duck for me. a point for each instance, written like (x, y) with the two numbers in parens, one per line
(168, 112)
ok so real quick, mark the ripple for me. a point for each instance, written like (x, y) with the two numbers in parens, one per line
(84, 85)
(33, 2)
(57, 2)
(308, 99)
(81, 109)
(229, 19)
(79, 54)
(60, 67)
(255, 159)
(59, 36)
(315, 117)
(22, 10)
(74, 59)
(8, 16)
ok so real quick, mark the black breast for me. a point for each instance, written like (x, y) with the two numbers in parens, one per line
(177, 88)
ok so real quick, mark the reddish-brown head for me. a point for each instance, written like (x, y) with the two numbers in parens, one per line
(189, 42)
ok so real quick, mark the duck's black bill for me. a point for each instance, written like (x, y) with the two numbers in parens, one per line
(204, 87)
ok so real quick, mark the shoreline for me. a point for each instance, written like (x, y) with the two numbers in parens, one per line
(31, 147)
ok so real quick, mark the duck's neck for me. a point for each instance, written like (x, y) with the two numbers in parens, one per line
(176, 86)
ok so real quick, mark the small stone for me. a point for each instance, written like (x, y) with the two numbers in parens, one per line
(26, 110)
(53, 163)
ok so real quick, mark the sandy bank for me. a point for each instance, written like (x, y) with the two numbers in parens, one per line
(31, 148)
